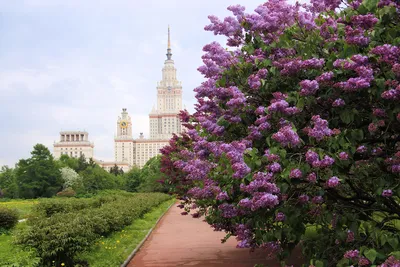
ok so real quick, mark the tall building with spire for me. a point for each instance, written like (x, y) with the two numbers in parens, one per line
(163, 119)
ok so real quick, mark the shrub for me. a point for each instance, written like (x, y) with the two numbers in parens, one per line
(59, 237)
(8, 218)
(298, 127)
(49, 207)
(68, 192)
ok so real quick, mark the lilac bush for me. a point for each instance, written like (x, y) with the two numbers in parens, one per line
(296, 136)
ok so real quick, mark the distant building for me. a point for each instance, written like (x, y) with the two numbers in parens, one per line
(164, 120)
(73, 144)
(107, 165)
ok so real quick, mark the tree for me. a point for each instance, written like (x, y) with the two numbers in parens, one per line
(150, 176)
(38, 176)
(95, 178)
(116, 170)
(133, 179)
(71, 178)
(297, 130)
(8, 184)
(71, 162)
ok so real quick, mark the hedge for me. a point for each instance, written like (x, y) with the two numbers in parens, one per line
(60, 237)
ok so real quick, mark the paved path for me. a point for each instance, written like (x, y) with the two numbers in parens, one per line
(183, 241)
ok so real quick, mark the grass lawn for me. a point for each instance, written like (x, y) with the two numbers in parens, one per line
(12, 255)
(23, 207)
(113, 250)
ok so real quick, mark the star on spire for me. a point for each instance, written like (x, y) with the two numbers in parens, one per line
(169, 54)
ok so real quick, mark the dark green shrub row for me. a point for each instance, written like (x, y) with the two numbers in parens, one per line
(8, 218)
(59, 237)
(49, 207)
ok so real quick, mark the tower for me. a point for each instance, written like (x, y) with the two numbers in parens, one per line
(164, 119)
(123, 141)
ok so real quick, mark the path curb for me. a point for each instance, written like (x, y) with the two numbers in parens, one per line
(126, 262)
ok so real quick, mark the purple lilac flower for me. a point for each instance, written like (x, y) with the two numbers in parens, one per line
(378, 112)
(308, 87)
(338, 103)
(364, 262)
(240, 169)
(350, 236)
(311, 157)
(372, 128)
(260, 110)
(228, 210)
(354, 84)
(396, 69)
(359, 59)
(278, 106)
(238, 98)
(324, 5)
(265, 176)
(312, 177)
(356, 36)
(396, 168)
(254, 82)
(387, 193)
(317, 200)
(365, 21)
(304, 199)
(343, 156)
(222, 196)
(244, 235)
(271, 157)
(389, 53)
(245, 203)
(286, 136)
(324, 77)
(391, 94)
(351, 254)
(333, 182)
(197, 169)
(361, 149)
(264, 200)
(280, 217)
(325, 162)
(320, 129)
(295, 174)
(275, 167)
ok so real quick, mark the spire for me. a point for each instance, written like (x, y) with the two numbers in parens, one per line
(169, 54)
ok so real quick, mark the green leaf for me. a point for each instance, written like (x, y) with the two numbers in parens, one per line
(370, 4)
(319, 264)
(393, 242)
(371, 254)
(347, 116)
(396, 254)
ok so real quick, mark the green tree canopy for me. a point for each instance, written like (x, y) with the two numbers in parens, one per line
(39, 175)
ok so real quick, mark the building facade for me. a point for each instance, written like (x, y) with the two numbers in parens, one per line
(73, 144)
(163, 119)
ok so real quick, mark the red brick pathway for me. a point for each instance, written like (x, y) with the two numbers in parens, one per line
(183, 241)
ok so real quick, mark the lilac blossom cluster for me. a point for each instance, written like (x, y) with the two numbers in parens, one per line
(312, 158)
(286, 136)
(320, 129)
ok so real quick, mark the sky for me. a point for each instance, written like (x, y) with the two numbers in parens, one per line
(73, 65)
